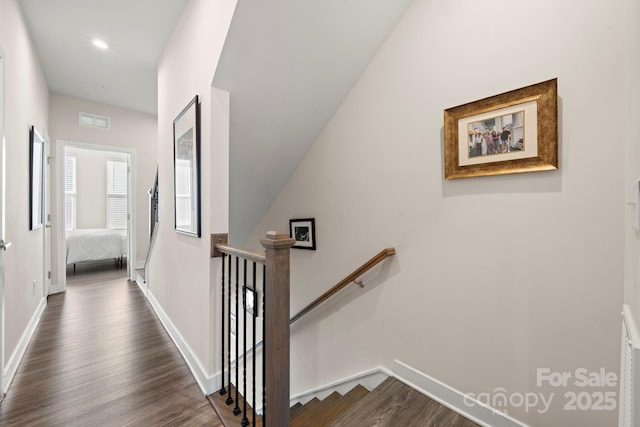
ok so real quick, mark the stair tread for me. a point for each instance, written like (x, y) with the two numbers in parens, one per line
(327, 410)
(225, 412)
(394, 403)
(342, 405)
(308, 412)
(295, 408)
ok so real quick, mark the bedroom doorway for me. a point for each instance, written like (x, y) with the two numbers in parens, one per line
(96, 201)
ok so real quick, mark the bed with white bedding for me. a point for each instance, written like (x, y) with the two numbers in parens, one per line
(96, 244)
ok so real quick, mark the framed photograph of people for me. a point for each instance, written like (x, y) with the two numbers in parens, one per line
(513, 132)
(304, 231)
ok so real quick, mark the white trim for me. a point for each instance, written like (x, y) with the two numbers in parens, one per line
(60, 227)
(629, 378)
(629, 321)
(369, 379)
(208, 384)
(144, 288)
(452, 398)
(3, 206)
(55, 289)
(12, 366)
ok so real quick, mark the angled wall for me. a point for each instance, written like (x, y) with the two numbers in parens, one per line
(494, 277)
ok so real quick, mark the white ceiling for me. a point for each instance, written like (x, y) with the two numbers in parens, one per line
(125, 75)
(288, 65)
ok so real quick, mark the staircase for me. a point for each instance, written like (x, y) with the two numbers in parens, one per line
(391, 404)
(154, 194)
(325, 412)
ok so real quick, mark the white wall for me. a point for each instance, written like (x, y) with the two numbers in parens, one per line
(494, 277)
(181, 268)
(130, 130)
(26, 101)
(632, 266)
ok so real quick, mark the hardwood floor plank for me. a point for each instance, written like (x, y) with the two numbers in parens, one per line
(393, 403)
(100, 357)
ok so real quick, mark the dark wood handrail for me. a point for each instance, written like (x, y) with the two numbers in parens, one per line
(344, 282)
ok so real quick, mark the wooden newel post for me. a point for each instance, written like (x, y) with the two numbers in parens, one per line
(276, 335)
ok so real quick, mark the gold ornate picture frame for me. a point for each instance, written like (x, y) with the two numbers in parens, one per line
(513, 132)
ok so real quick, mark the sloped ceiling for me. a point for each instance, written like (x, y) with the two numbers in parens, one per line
(288, 65)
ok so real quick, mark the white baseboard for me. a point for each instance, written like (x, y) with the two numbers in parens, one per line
(144, 286)
(14, 361)
(452, 398)
(369, 379)
(140, 264)
(208, 383)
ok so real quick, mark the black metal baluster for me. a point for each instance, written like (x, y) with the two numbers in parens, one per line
(245, 420)
(264, 340)
(229, 400)
(223, 391)
(236, 410)
(255, 350)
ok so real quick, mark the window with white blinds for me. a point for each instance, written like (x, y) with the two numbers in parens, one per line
(116, 194)
(69, 192)
(183, 193)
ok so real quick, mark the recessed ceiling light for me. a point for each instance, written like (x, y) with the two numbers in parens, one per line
(100, 44)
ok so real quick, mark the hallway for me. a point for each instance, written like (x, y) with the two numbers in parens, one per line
(100, 357)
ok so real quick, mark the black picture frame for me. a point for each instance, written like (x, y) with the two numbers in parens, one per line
(250, 301)
(186, 170)
(304, 231)
(36, 179)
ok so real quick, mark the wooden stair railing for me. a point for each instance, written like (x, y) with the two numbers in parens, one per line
(275, 263)
(381, 256)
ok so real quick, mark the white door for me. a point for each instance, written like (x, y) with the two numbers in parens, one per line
(3, 244)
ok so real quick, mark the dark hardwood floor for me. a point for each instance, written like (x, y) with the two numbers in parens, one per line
(100, 357)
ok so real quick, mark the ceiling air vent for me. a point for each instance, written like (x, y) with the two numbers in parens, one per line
(94, 121)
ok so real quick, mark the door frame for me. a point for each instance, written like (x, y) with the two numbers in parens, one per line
(46, 229)
(3, 383)
(61, 276)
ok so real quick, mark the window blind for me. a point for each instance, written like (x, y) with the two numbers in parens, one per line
(116, 194)
(69, 192)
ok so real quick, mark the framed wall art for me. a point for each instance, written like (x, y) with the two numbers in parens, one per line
(304, 231)
(250, 300)
(186, 169)
(36, 179)
(513, 132)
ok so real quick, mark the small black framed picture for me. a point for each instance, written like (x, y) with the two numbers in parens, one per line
(304, 231)
(250, 301)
